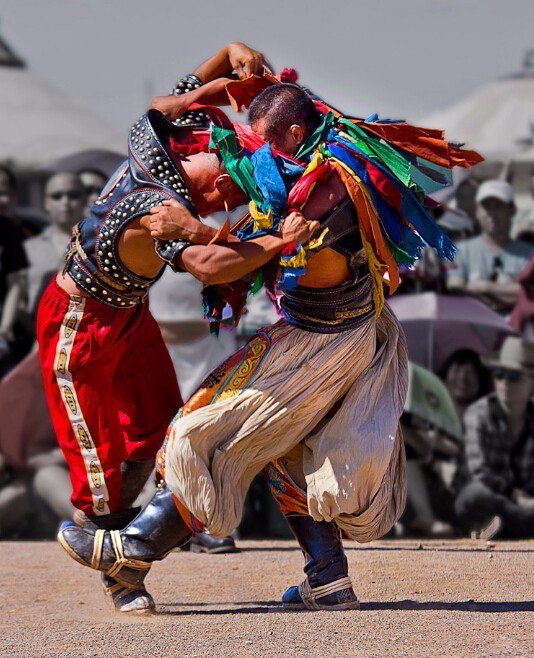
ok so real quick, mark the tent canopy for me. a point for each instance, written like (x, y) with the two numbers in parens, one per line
(497, 119)
(40, 123)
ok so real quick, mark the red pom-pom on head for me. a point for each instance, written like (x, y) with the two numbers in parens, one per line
(289, 75)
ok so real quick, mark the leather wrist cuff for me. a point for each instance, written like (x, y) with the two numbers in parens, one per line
(169, 251)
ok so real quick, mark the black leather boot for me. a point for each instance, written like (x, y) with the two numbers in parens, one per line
(123, 599)
(127, 555)
(135, 473)
(327, 586)
(204, 543)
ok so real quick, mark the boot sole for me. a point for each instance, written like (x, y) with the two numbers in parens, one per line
(194, 548)
(350, 605)
(143, 612)
(150, 610)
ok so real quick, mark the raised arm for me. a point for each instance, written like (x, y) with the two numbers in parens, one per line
(236, 57)
(214, 73)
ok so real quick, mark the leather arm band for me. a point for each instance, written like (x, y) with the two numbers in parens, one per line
(169, 250)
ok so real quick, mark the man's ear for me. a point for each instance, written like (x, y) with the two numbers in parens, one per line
(224, 184)
(297, 132)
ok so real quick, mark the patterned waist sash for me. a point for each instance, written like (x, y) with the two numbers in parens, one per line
(329, 310)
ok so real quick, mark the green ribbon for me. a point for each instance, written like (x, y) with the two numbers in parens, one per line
(237, 165)
(318, 136)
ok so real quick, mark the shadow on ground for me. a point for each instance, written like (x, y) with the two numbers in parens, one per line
(262, 607)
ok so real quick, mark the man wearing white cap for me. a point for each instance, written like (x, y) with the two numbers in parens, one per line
(487, 266)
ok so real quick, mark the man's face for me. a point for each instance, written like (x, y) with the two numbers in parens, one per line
(65, 200)
(7, 195)
(513, 389)
(93, 184)
(495, 217)
(287, 143)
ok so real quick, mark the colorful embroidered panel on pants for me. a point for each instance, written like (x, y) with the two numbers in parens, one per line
(227, 380)
(289, 496)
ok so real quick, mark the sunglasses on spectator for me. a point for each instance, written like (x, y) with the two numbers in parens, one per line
(73, 195)
(508, 375)
(92, 190)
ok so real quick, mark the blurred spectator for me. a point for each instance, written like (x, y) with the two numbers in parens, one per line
(487, 266)
(65, 201)
(432, 434)
(498, 469)
(465, 377)
(522, 316)
(36, 482)
(93, 182)
(15, 501)
(464, 197)
(28, 225)
(8, 192)
(429, 272)
(523, 224)
(13, 263)
(429, 496)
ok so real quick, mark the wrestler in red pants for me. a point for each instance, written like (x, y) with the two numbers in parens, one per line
(111, 389)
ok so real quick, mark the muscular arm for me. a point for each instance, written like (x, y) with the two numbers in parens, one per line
(222, 263)
(172, 221)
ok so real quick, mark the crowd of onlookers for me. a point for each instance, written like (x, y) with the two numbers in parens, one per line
(476, 479)
(482, 482)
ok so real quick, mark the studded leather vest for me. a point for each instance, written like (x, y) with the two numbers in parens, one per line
(146, 178)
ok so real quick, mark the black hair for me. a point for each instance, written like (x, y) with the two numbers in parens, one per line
(13, 184)
(463, 357)
(282, 106)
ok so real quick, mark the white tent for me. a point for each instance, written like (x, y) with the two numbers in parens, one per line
(39, 123)
(497, 119)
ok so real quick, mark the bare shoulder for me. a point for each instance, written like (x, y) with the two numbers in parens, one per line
(326, 196)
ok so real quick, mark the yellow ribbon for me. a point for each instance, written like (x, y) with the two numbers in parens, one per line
(261, 220)
(316, 242)
(298, 260)
(315, 162)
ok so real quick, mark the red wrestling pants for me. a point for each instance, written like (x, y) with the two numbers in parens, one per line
(111, 389)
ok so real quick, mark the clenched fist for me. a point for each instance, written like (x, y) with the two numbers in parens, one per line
(172, 221)
(296, 228)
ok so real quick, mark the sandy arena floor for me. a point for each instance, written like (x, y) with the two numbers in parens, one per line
(440, 598)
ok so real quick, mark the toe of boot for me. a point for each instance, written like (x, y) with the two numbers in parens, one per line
(127, 600)
(291, 599)
(77, 542)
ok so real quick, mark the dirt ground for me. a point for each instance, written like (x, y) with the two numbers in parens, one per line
(440, 598)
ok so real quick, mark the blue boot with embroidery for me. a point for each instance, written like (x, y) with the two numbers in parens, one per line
(327, 586)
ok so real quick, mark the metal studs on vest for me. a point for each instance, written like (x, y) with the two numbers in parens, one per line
(194, 118)
(159, 169)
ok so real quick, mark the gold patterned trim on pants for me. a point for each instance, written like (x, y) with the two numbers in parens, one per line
(93, 467)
